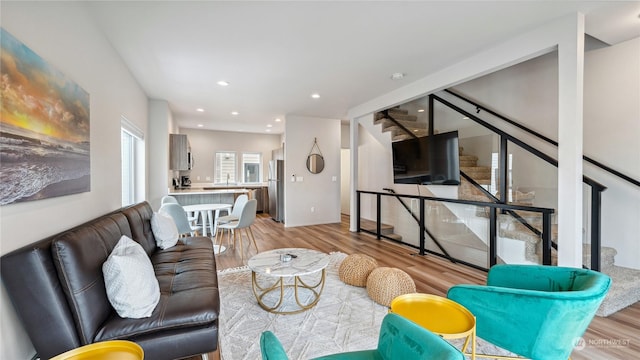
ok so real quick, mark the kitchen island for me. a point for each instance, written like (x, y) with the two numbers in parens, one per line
(221, 194)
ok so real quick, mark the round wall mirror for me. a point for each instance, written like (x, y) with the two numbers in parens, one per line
(315, 163)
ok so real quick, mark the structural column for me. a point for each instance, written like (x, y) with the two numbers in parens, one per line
(570, 129)
(353, 186)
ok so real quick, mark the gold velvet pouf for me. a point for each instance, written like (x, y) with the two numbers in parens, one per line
(355, 269)
(385, 284)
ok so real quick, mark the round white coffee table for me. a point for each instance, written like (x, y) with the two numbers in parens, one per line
(284, 264)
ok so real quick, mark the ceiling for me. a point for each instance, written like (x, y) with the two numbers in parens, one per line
(274, 55)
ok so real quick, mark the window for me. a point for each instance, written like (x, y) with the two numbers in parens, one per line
(225, 167)
(251, 167)
(132, 162)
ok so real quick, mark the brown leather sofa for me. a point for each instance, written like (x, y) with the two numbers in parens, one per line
(57, 288)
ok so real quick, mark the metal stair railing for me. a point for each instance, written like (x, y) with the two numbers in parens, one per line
(514, 214)
(431, 236)
(492, 243)
(596, 187)
(544, 138)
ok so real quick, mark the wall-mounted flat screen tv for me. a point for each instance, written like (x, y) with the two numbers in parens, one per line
(427, 160)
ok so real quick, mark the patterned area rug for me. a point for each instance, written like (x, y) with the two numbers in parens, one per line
(345, 319)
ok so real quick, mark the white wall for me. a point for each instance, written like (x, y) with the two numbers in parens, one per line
(160, 124)
(527, 91)
(611, 134)
(205, 143)
(345, 172)
(375, 170)
(64, 35)
(318, 191)
(345, 176)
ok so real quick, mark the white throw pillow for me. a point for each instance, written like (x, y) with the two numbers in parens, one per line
(164, 230)
(132, 287)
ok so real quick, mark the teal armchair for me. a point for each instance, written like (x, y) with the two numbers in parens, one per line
(532, 310)
(399, 339)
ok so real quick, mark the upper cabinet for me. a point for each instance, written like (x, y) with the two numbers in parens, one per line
(178, 152)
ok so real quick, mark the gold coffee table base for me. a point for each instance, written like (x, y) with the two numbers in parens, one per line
(298, 283)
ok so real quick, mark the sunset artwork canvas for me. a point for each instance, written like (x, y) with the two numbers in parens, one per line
(44, 128)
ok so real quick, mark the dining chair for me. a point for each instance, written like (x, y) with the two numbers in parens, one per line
(245, 220)
(180, 218)
(168, 199)
(234, 215)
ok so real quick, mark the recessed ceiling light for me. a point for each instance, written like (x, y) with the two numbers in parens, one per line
(222, 83)
(397, 76)
(234, 113)
(315, 96)
(278, 120)
(200, 125)
(269, 125)
(420, 110)
(465, 118)
(200, 110)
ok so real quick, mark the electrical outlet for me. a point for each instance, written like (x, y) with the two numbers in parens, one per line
(208, 178)
(197, 177)
(313, 209)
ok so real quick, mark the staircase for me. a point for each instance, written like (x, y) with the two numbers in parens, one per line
(385, 229)
(402, 116)
(479, 174)
(625, 288)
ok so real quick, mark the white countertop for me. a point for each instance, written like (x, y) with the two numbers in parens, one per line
(200, 191)
(201, 185)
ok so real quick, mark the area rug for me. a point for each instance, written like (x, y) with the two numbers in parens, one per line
(345, 319)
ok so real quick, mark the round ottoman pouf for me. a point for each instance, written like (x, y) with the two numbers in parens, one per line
(385, 284)
(355, 269)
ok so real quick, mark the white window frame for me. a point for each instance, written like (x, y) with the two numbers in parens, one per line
(226, 177)
(133, 166)
(259, 162)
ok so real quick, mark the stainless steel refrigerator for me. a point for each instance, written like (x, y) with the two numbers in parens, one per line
(276, 190)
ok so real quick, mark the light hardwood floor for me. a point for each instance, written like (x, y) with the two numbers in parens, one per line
(614, 337)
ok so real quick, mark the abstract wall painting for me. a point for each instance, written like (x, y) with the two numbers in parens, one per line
(44, 128)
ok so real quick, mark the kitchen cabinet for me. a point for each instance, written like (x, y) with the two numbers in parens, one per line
(178, 152)
(262, 197)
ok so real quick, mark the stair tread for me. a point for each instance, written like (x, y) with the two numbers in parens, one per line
(624, 290)
(398, 110)
(371, 225)
(387, 123)
(475, 168)
(405, 136)
(396, 116)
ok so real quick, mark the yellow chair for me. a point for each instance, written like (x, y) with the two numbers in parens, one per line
(105, 350)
